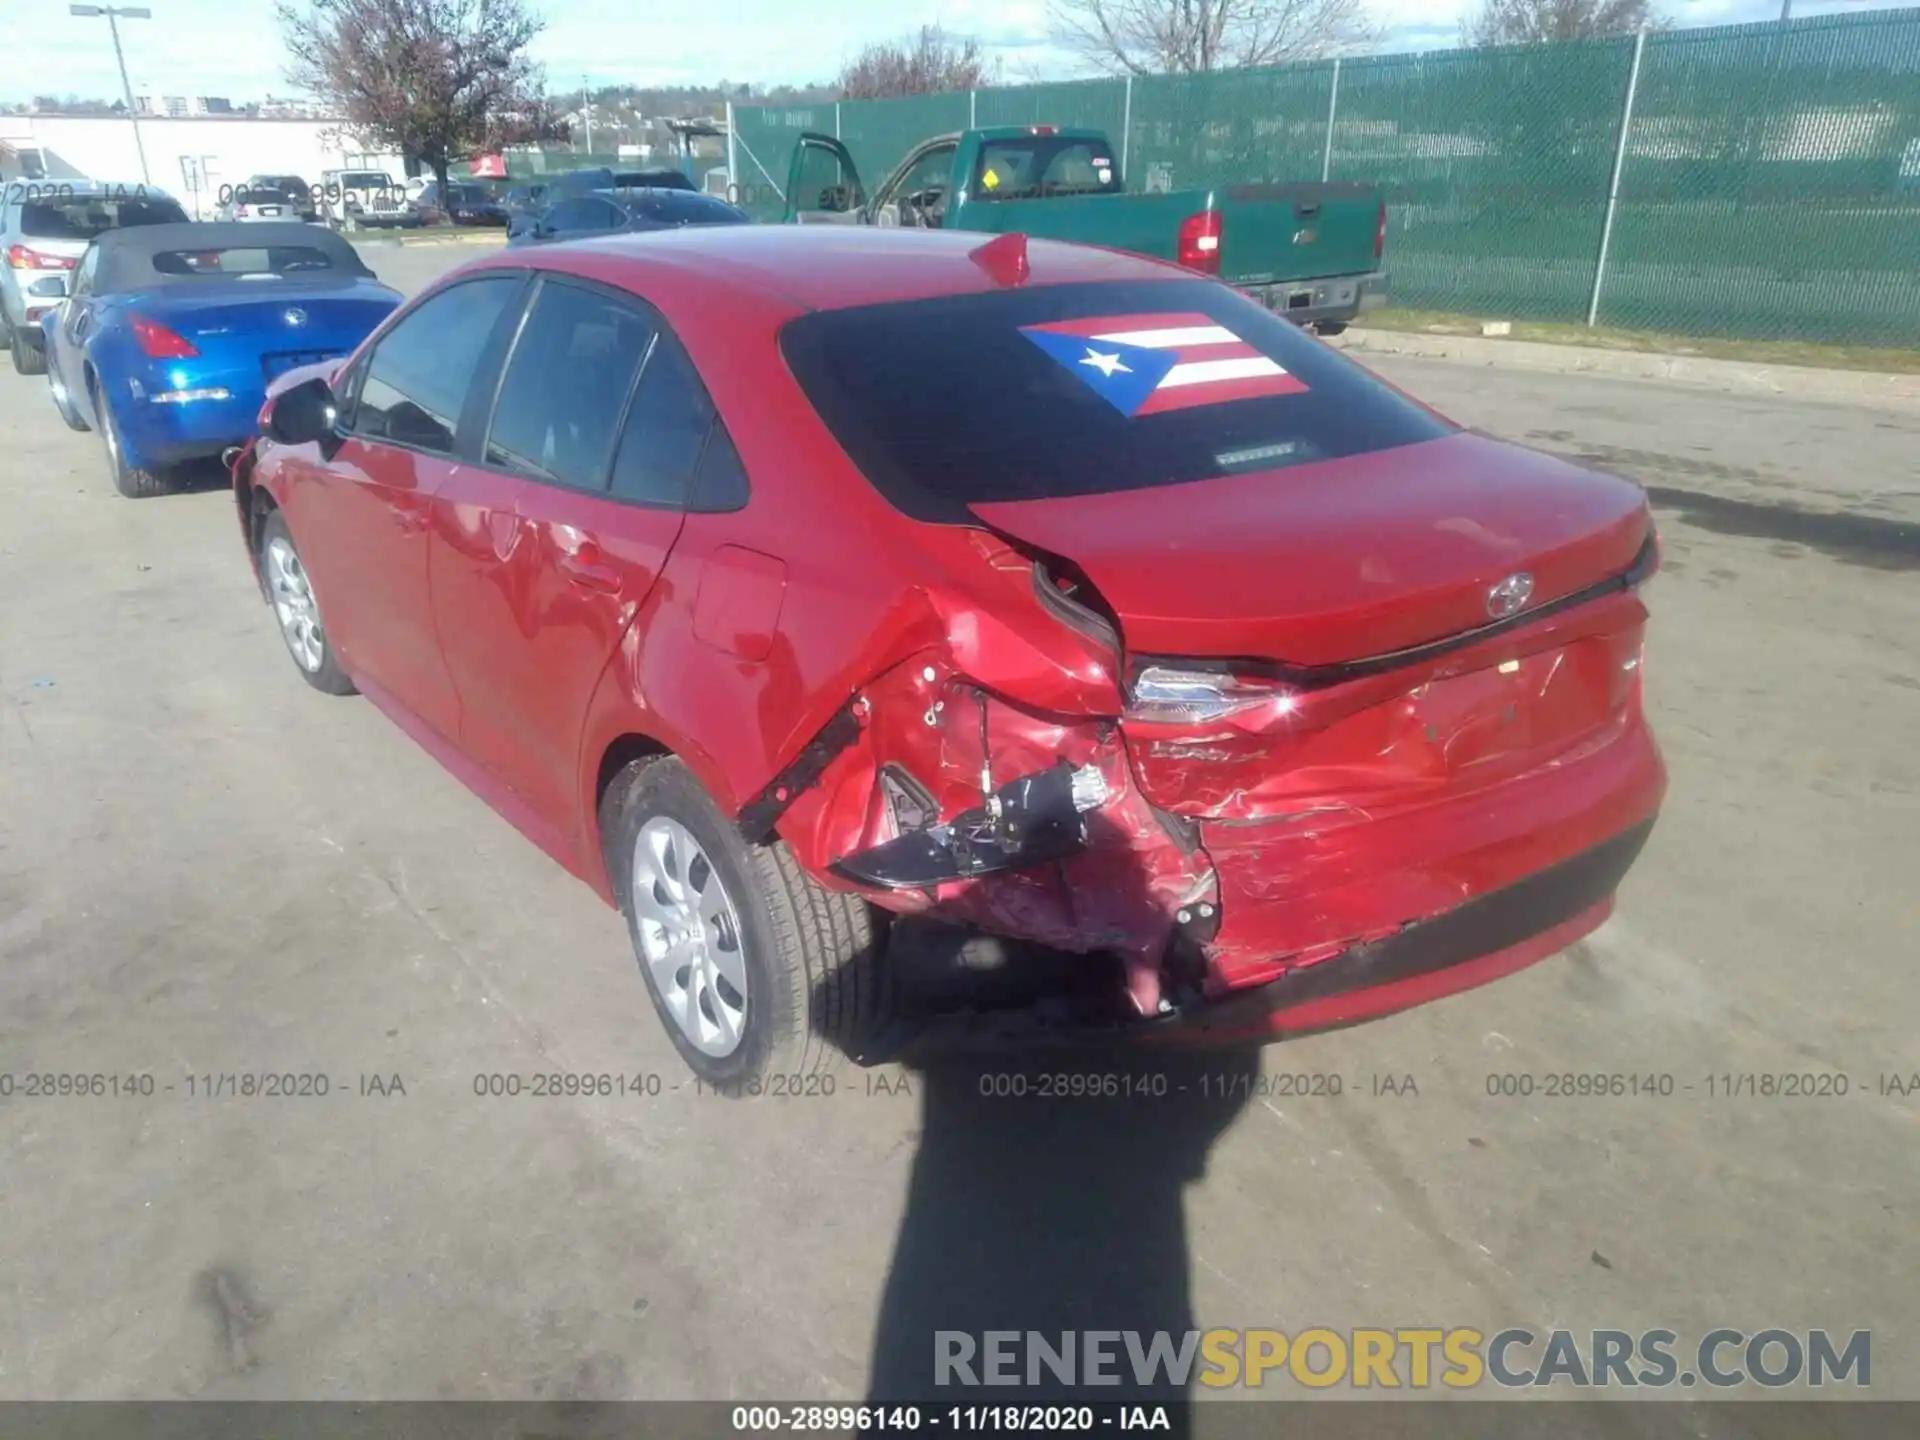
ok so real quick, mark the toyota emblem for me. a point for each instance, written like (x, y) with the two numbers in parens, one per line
(296, 316)
(1510, 596)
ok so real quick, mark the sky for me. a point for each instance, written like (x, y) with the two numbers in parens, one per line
(232, 48)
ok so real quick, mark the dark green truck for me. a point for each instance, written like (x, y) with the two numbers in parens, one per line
(1311, 250)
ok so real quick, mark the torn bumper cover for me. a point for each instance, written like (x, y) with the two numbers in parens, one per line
(1474, 944)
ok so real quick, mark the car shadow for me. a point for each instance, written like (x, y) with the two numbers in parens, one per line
(1047, 1198)
(197, 477)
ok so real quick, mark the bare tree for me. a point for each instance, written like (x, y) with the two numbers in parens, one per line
(1529, 22)
(1149, 37)
(435, 80)
(927, 65)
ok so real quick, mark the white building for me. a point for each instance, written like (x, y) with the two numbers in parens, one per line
(190, 157)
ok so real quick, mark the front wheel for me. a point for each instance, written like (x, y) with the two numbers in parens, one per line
(754, 969)
(1330, 328)
(298, 612)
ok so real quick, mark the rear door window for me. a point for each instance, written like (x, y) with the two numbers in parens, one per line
(565, 384)
(1083, 389)
(666, 429)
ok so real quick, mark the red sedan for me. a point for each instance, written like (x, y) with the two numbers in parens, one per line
(823, 597)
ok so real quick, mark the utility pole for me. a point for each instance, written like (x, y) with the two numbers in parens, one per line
(1786, 11)
(114, 14)
(586, 103)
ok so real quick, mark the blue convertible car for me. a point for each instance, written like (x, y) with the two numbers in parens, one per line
(169, 334)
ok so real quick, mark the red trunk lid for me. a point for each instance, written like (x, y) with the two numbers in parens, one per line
(1343, 560)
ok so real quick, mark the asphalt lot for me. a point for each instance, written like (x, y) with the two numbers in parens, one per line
(207, 869)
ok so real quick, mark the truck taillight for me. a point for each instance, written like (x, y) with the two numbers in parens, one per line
(1043, 129)
(1199, 245)
(1380, 235)
(157, 342)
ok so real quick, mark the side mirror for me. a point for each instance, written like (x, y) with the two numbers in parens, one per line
(303, 414)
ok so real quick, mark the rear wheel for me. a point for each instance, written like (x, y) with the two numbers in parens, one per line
(28, 358)
(133, 482)
(754, 970)
(298, 612)
(1331, 328)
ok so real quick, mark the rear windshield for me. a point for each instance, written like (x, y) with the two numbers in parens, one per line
(1045, 165)
(1083, 389)
(652, 179)
(81, 217)
(245, 262)
(680, 207)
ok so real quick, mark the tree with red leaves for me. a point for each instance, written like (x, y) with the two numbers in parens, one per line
(924, 66)
(435, 80)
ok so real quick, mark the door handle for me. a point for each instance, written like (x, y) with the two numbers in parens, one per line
(585, 568)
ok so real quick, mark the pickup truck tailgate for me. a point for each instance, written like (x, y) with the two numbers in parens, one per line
(1287, 231)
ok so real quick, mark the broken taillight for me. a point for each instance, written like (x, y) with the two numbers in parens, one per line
(1199, 243)
(157, 342)
(1163, 695)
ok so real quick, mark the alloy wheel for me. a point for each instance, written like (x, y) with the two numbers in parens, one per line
(690, 936)
(294, 604)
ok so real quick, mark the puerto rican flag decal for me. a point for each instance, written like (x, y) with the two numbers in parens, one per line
(1151, 364)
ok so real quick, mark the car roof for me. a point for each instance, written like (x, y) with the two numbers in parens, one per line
(829, 267)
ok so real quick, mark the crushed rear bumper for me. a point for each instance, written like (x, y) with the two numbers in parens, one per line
(1480, 941)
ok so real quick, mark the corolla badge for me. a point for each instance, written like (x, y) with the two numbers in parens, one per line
(1510, 596)
(295, 315)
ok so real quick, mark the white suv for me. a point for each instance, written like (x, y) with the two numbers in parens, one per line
(45, 227)
(351, 199)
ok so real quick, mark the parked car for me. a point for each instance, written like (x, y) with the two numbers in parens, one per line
(1057, 601)
(459, 203)
(606, 212)
(271, 197)
(522, 199)
(45, 227)
(170, 333)
(1315, 251)
(364, 199)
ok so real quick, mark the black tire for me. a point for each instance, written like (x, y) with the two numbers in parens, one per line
(810, 955)
(1330, 328)
(28, 358)
(133, 483)
(325, 675)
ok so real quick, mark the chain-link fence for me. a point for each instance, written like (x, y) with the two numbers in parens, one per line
(1757, 181)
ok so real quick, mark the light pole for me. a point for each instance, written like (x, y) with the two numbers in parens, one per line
(1786, 11)
(586, 103)
(114, 14)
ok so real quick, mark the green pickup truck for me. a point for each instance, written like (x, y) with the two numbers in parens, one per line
(1311, 251)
